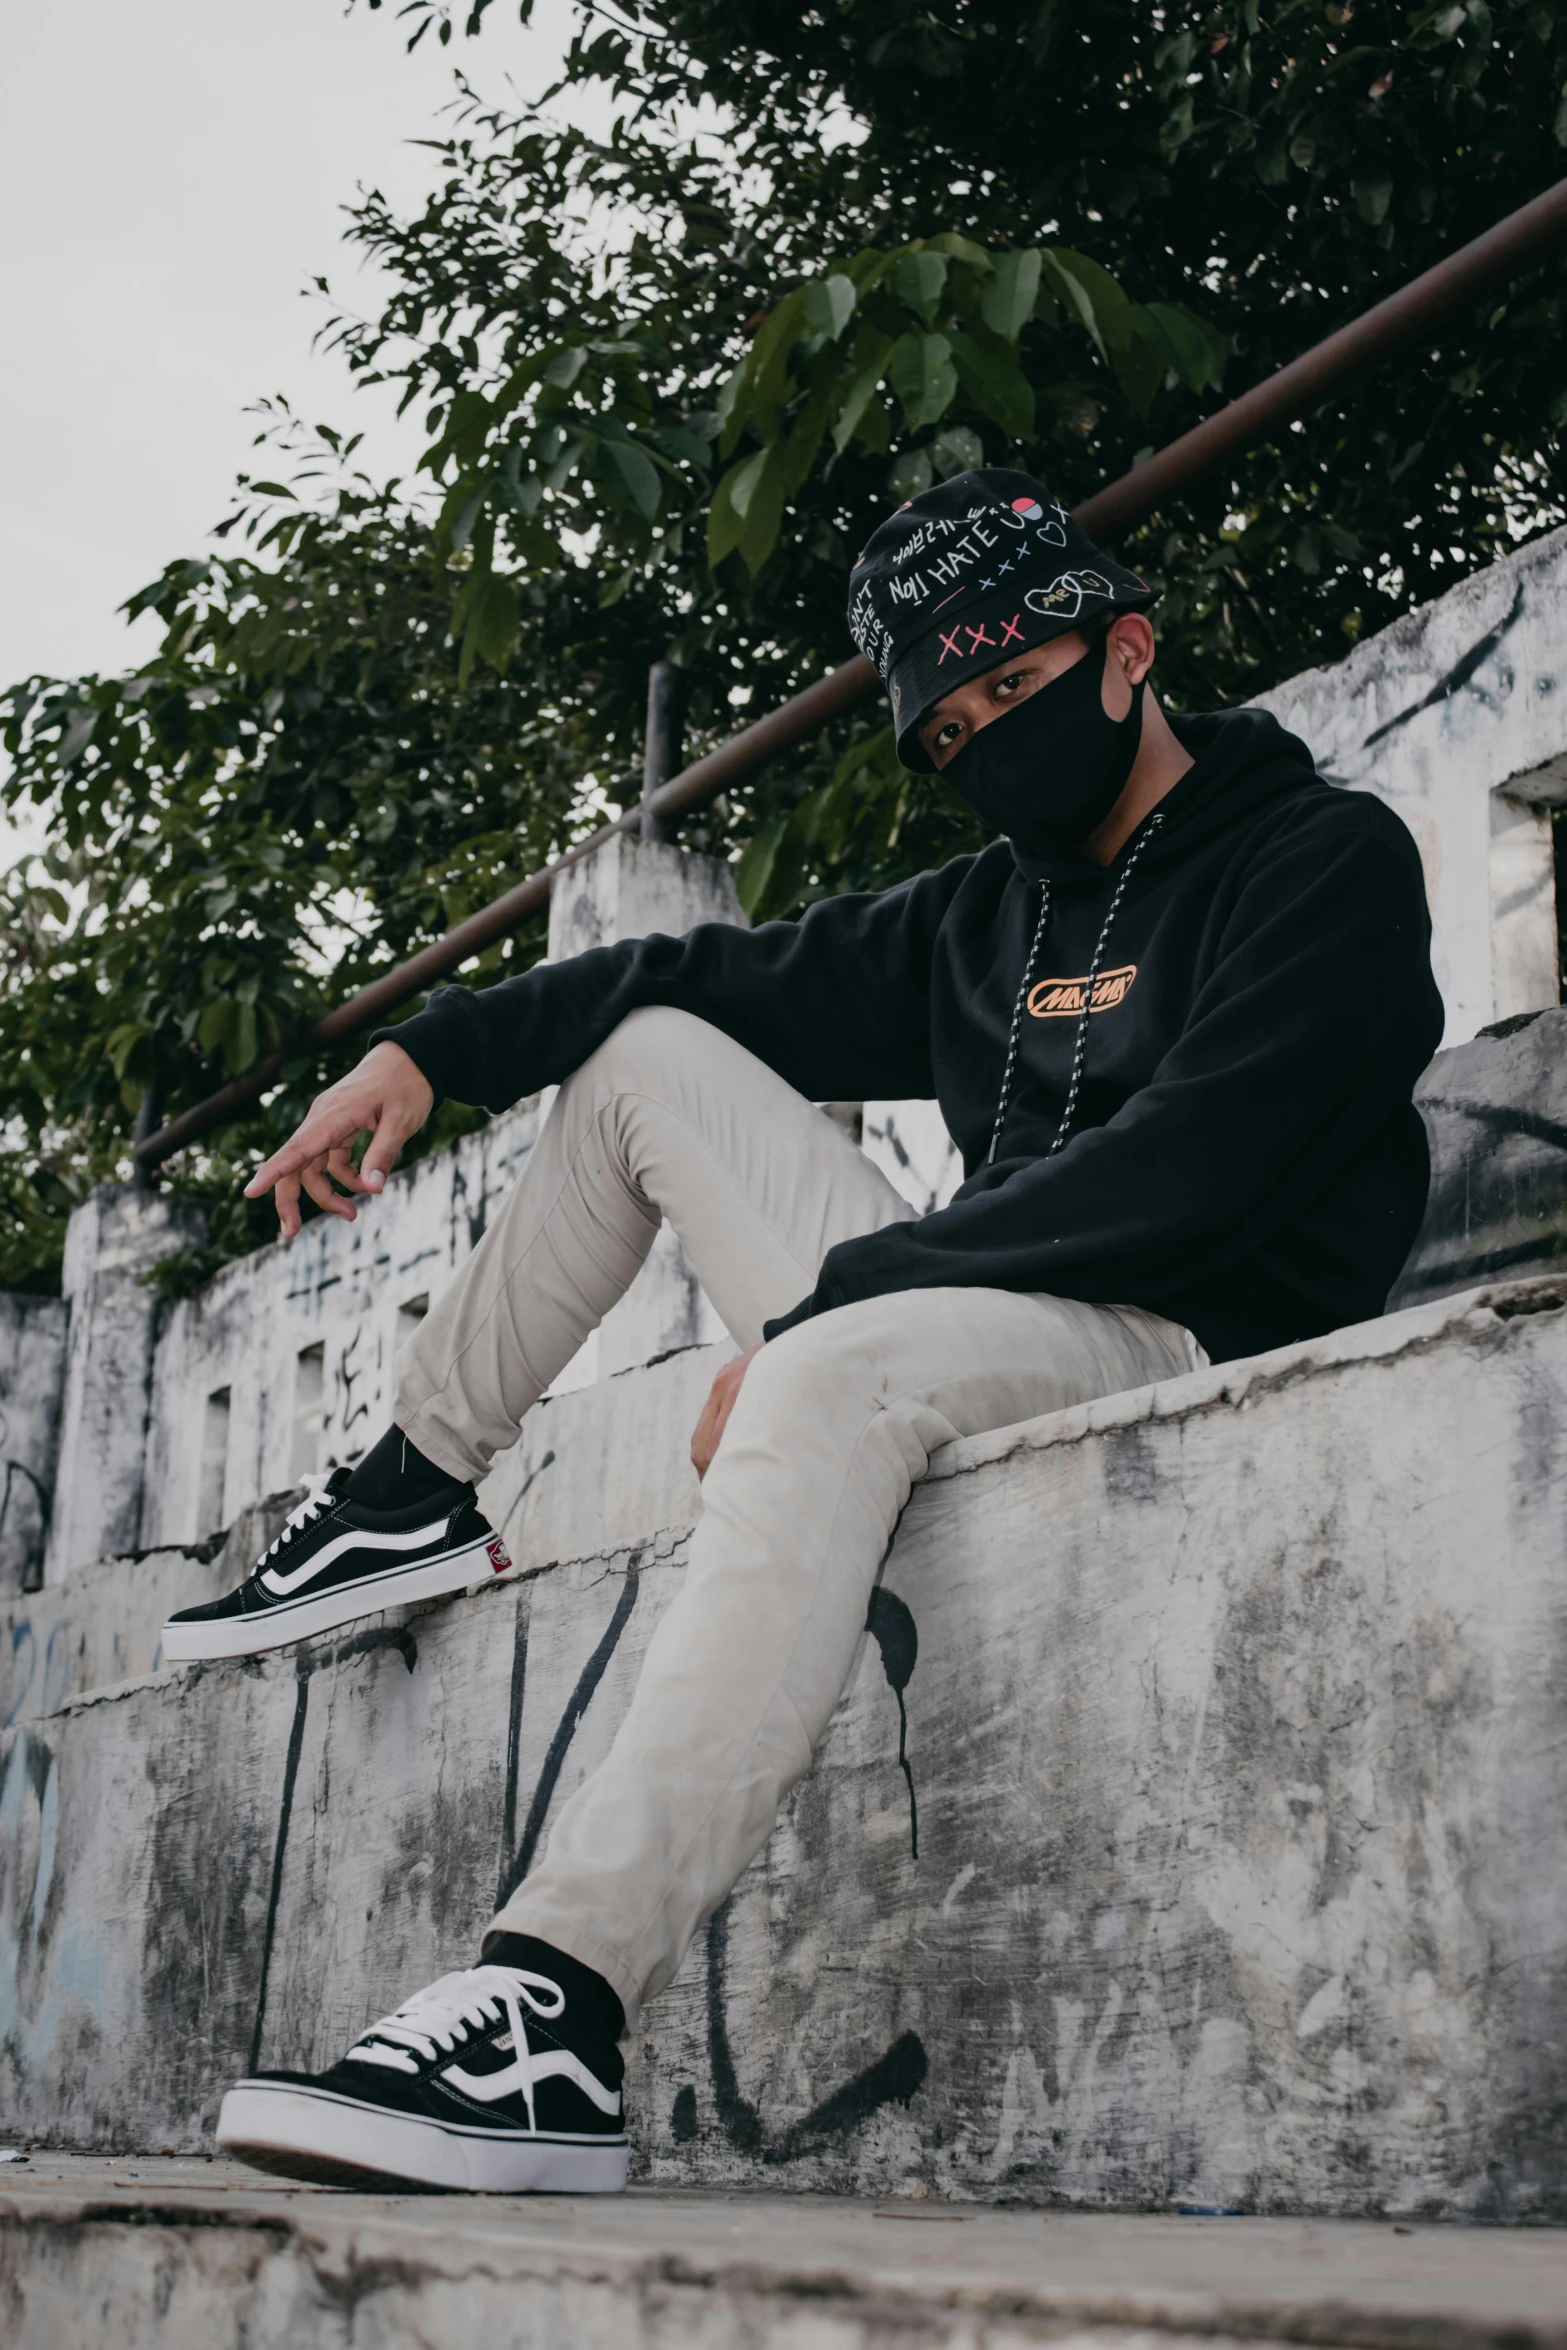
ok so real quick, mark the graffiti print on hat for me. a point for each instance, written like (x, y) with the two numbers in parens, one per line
(1065, 596)
(1023, 511)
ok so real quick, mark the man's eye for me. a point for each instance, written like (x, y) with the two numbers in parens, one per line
(950, 732)
(1010, 682)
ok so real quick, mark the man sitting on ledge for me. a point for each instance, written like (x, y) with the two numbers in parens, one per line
(1174, 1018)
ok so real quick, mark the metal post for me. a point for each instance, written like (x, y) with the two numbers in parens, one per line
(666, 714)
(144, 1171)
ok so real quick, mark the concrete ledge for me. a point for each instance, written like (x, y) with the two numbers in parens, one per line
(1194, 1826)
(595, 1470)
(184, 2255)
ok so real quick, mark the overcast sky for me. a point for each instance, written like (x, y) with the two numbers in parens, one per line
(171, 174)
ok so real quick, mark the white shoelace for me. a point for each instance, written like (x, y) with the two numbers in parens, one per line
(437, 2020)
(316, 1502)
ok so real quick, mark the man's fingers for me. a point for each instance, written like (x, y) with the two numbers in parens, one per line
(312, 1141)
(384, 1148)
(320, 1189)
(286, 1201)
(342, 1170)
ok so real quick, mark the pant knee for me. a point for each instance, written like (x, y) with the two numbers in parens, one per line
(649, 1040)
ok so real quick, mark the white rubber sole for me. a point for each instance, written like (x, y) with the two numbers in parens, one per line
(312, 2134)
(345, 1603)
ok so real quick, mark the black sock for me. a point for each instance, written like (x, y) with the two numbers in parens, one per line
(593, 2012)
(394, 1474)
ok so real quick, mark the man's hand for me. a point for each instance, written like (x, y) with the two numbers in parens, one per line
(388, 1096)
(715, 1412)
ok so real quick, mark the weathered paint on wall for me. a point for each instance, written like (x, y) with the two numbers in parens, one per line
(114, 1239)
(1229, 1862)
(32, 1383)
(1454, 705)
(594, 1470)
(1496, 1119)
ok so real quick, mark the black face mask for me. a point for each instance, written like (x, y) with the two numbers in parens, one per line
(1048, 773)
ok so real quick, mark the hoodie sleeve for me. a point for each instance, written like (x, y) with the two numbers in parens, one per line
(837, 1003)
(1307, 1035)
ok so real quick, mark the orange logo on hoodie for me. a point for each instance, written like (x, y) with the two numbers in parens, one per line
(1062, 999)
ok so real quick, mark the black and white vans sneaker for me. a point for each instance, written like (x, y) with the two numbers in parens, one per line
(466, 2087)
(336, 1560)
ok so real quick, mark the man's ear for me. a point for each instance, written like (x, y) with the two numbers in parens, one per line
(1132, 644)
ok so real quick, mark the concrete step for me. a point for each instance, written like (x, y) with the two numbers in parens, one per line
(595, 1469)
(161, 2255)
(1194, 1826)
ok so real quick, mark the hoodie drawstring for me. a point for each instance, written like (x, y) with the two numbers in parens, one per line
(1080, 1049)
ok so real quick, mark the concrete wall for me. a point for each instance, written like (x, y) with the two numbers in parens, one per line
(1457, 717)
(114, 1240)
(1229, 1864)
(33, 1334)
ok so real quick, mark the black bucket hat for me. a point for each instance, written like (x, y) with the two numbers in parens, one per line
(977, 567)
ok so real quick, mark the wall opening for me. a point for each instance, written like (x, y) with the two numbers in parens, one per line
(214, 1462)
(309, 1408)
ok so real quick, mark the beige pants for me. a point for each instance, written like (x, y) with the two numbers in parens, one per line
(833, 1424)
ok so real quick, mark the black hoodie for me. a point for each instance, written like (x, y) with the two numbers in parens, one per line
(1244, 1155)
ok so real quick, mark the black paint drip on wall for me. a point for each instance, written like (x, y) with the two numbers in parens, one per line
(894, 2079)
(566, 1729)
(891, 1625)
(310, 1662)
(1458, 676)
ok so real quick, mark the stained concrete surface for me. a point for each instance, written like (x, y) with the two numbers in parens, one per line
(1456, 716)
(190, 2255)
(1496, 1119)
(595, 1471)
(1194, 1824)
(32, 1380)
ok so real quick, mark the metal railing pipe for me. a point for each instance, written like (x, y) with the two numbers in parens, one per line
(1405, 317)
(1523, 237)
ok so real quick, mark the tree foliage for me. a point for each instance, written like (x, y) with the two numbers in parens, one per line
(665, 380)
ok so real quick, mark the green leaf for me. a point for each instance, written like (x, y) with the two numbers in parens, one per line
(922, 375)
(1008, 300)
(76, 737)
(733, 408)
(997, 388)
(1091, 295)
(859, 390)
(744, 481)
(800, 450)
(1372, 198)
(468, 421)
(763, 513)
(755, 869)
(957, 450)
(910, 476)
(775, 340)
(637, 475)
(829, 305)
(724, 522)
(120, 1043)
(962, 248)
(1196, 354)
(918, 280)
(1144, 362)
(563, 367)
(493, 621)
